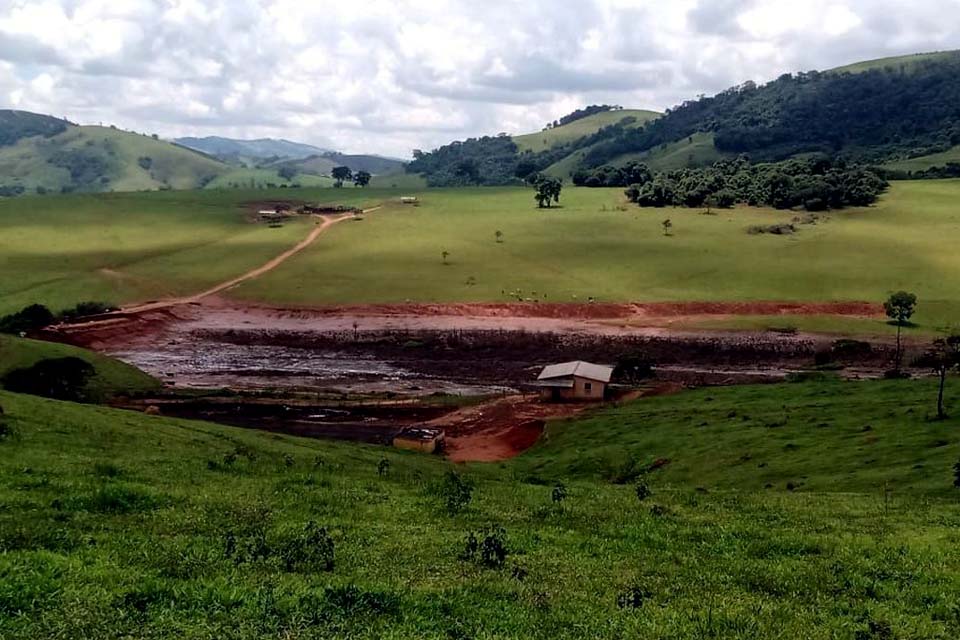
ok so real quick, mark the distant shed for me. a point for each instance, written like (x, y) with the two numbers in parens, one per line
(409, 200)
(575, 380)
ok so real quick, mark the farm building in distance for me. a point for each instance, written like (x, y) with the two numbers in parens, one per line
(575, 380)
(425, 439)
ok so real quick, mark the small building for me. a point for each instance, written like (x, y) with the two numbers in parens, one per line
(575, 380)
(408, 200)
(425, 439)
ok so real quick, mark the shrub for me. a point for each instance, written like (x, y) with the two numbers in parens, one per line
(383, 467)
(309, 551)
(107, 470)
(57, 378)
(36, 316)
(956, 475)
(88, 308)
(633, 597)
(642, 490)
(559, 493)
(487, 547)
(457, 492)
(115, 499)
(353, 600)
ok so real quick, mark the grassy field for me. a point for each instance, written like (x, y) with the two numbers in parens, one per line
(260, 178)
(59, 250)
(543, 140)
(112, 377)
(696, 151)
(595, 245)
(117, 525)
(925, 162)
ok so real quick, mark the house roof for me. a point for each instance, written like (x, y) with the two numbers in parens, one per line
(597, 372)
(556, 383)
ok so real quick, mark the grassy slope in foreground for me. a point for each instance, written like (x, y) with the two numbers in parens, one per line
(543, 140)
(60, 250)
(28, 161)
(112, 376)
(117, 524)
(590, 247)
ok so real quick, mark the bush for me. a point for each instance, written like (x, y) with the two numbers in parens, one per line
(309, 551)
(487, 547)
(57, 378)
(559, 493)
(36, 316)
(633, 597)
(89, 308)
(457, 492)
(642, 490)
(956, 475)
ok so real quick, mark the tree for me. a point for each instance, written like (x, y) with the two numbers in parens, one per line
(900, 308)
(340, 174)
(287, 173)
(498, 235)
(943, 357)
(548, 189)
(667, 226)
(444, 255)
(361, 178)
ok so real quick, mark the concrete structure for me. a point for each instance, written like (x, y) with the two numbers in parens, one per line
(424, 439)
(575, 380)
(408, 199)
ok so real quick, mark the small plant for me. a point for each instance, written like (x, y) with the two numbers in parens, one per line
(310, 551)
(633, 597)
(559, 493)
(288, 460)
(642, 490)
(383, 467)
(667, 226)
(487, 547)
(956, 475)
(457, 492)
(498, 235)
(444, 255)
(659, 510)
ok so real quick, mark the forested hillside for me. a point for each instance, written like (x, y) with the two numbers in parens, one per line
(15, 125)
(872, 112)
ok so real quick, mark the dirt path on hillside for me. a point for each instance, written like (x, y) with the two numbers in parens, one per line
(325, 222)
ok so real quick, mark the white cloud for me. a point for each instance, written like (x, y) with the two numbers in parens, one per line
(391, 75)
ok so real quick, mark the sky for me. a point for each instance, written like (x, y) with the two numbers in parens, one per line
(390, 76)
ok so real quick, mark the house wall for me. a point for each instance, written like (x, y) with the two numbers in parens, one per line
(579, 391)
(426, 446)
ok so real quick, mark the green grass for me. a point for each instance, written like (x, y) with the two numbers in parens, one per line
(925, 162)
(589, 247)
(903, 63)
(260, 178)
(27, 162)
(112, 377)
(60, 250)
(696, 151)
(118, 525)
(543, 140)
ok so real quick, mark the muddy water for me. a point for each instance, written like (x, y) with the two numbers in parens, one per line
(202, 362)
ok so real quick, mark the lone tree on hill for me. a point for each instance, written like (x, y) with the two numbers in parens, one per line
(900, 307)
(340, 174)
(361, 178)
(943, 357)
(444, 255)
(548, 190)
(667, 226)
(498, 235)
(287, 173)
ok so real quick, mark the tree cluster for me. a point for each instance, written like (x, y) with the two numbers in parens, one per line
(487, 161)
(15, 125)
(881, 113)
(814, 184)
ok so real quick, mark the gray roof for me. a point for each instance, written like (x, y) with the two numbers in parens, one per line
(578, 368)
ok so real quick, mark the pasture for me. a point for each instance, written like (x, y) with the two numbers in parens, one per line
(596, 245)
(118, 524)
(122, 248)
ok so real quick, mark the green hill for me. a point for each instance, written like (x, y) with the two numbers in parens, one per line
(871, 112)
(580, 128)
(898, 63)
(91, 158)
(15, 125)
(112, 377)
(117, 524)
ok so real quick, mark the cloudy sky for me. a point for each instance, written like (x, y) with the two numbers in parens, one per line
(388, 76)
